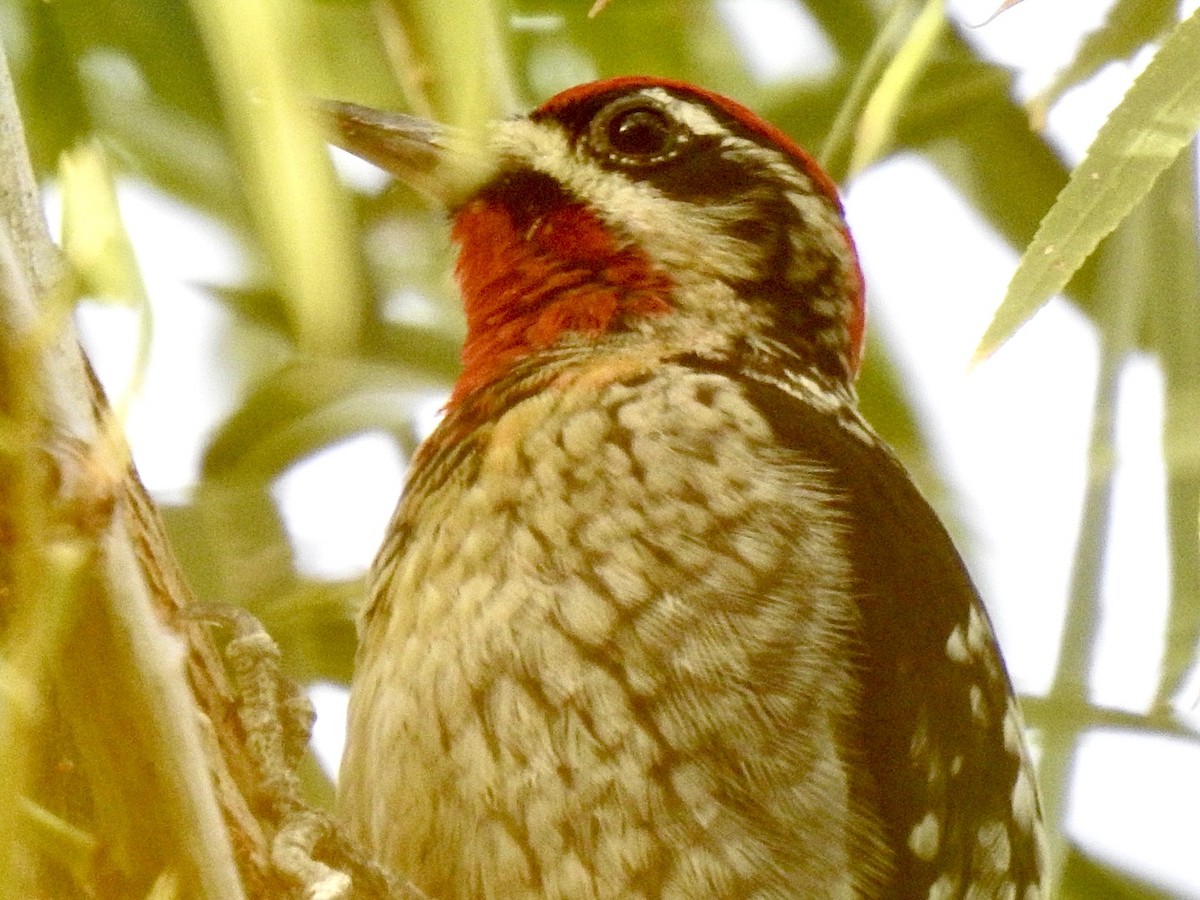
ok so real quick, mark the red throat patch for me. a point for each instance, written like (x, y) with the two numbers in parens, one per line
(524, 289)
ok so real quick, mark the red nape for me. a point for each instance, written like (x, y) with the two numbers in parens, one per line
(858, 311)
(524, 289)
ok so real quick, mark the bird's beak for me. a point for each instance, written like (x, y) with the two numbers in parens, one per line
(448, 165)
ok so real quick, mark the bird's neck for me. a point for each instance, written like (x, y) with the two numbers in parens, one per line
(529, 281)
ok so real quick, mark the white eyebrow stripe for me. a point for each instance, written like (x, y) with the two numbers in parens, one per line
(695, 117)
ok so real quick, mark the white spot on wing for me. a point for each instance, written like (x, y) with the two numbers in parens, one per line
(979, 635)
(1012, 729)
(926, 837)
(956, 645)
(994, 850)
(1024, 801)
(944, 888)
(979, 710)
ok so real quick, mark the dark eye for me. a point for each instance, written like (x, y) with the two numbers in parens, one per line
(635, 131)
(641, 132)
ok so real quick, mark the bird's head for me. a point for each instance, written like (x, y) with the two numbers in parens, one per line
(634, 214)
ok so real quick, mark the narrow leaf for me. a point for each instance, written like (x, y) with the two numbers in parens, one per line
(93, 235)
(451, 59)
(1142, 136)
(97, 246)
(1129, 26)
(877, 124)
(304, 218)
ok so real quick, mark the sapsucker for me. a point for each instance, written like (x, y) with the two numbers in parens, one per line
(658, 614)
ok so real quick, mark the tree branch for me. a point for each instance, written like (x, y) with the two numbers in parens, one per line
(89, 596)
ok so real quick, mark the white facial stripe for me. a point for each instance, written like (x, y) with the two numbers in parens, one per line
(696, 118)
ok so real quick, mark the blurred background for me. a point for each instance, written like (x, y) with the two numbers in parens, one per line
(277, 324)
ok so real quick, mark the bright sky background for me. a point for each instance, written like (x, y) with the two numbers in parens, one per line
(1010, 434)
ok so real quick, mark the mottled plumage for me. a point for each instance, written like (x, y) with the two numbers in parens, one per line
(658, 615)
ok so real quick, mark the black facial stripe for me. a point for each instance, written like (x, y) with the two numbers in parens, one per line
(527, 194)
(704, 174)
(768, 227)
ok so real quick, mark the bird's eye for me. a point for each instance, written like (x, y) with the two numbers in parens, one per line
(635, 131)
(640, 132)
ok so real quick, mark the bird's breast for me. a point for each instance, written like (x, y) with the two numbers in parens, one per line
(607, 659)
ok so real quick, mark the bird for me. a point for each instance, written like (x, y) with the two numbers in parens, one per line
(658, 614)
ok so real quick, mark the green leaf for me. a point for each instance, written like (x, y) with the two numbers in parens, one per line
(93, 234)
(849, 25)
(700, 48)
(451, 59)
(877, 124)
(1173, 320)
(867, 75)
(304, 218)
(1150, 127)
(98, 248)
(232, 541)
(1131, 24)
(314, 624)
(301, 408)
